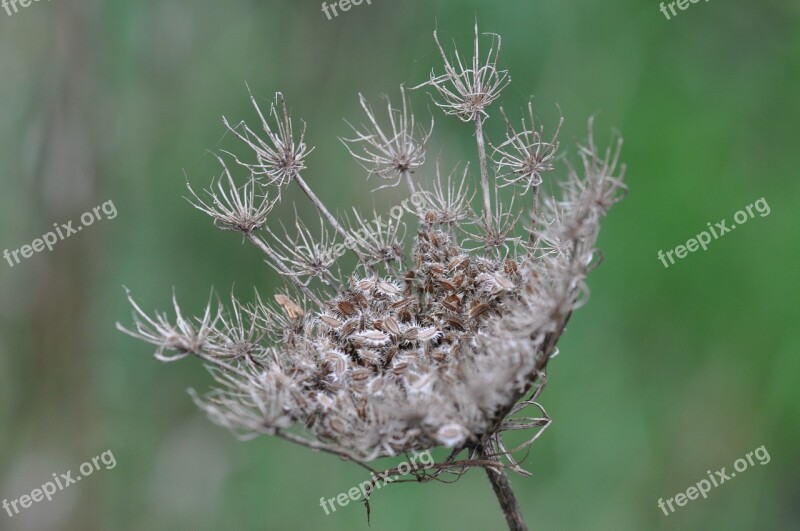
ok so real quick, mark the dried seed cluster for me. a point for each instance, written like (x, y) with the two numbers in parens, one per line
(438, 333)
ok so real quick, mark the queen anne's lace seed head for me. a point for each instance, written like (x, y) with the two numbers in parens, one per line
(393, 153)
(525, 156)
(438, 332)
(281, 155)
(466, 90)
(242, 209)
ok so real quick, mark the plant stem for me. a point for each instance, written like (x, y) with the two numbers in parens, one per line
(321, 207)
(531, 237)
(332, 220)
(487, 202)
(505, 494)
(410, 182)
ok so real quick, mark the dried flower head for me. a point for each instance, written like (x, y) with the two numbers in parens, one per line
(437, 335)
(391, 155)
(525, 156)
(466, 92)
(280, 156)
(243, 209)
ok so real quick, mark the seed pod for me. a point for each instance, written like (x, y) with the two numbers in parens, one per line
(325, 401)
(439, 355)
(447, 285)
(359, 375)
(455, 322)
(405, 315)
(390, 354)
(402, 303)
(349, 327)
(455, 349)
(337, 362)
(372, 357)
(372, 337)
(411, 333)
(360, 300)
(391, 325)
(399, 367)
(478, 310)
(337, 425)
(429, 333)
(449, 305)
(346, 308)
(388, 288)
(502, 283)
(366, 284)
(450, 435)
(330, 321)
(458, 262)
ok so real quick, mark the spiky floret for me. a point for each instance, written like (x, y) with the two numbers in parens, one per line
(392, 154)
(439, 333)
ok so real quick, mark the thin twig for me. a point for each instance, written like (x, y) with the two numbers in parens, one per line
(326, 213)
(487, 201)
(504, 492)
(407, 175)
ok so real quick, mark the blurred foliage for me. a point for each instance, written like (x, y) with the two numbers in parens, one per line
(664, 375)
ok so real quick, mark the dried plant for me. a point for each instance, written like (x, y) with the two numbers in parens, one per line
(434, 339)
(391, 156)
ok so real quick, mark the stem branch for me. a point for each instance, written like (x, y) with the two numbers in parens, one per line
(487, 201)
(504, 493)
(410, 182)
(328, 216)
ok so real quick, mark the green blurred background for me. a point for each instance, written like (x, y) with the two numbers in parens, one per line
(666, 373)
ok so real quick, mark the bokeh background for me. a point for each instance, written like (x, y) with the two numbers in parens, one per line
(666, 373)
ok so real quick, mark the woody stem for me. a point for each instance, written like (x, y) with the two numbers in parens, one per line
(503, 491)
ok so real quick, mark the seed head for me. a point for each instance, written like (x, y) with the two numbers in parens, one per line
(393, 154)
(280, 157)
(243, 209)
(525, 156)
(466, 91)
(438, 334)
